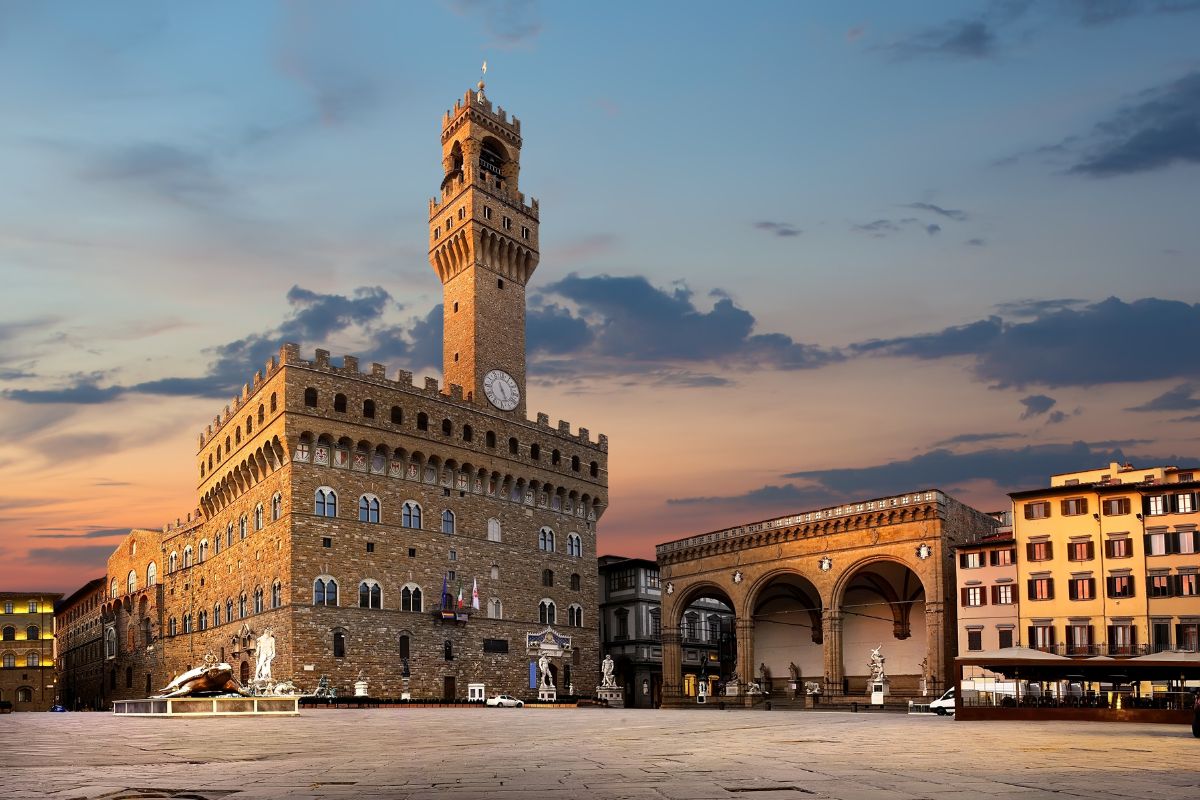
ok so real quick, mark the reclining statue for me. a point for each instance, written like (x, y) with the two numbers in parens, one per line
(210, 678)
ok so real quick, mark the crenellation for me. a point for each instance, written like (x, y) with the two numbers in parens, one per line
(456, 391)
(603, 442)
(543, 419)
(583, 435)
(405, 379)
(564, 427)
(378, 371)
(322, 359)
(431, 385)
(350, 364)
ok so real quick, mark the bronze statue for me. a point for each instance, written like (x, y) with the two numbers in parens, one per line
(211, 678)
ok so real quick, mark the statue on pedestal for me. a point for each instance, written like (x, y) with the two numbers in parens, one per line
(546, 681)
(764, 677)
(211, 678)
(875, 664)
(607, 679)
(265, 647)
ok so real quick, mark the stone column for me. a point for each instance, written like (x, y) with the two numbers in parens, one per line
(831, 624)
(937, 647)
(672, 669)
(747, 669)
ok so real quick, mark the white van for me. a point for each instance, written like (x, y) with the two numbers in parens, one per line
(943, 705)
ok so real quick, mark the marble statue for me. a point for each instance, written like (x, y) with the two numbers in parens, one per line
(265, 649)
(212, 677)
(547, 682)
(764, 675)
(875, 664)
(812, 688)
(793, 672)
(607, 681)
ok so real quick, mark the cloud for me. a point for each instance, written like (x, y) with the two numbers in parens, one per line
(1160, 129)
(949, 213)
(966, 39)
(85, 555)
(1036, 405)
(186, 177)
(99, 533)
(1096, 13)
(778, 228)
(933, 230)
(1181, 398)
(1055, 418)
(976, 242)
(1011, 469)
(1087, 345)
(1190, 418)
(508, 22)
(582, 249)
(973, 438)
(879, 228)
(1035, 308)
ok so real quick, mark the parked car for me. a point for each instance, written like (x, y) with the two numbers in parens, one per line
(505, 701)
(57, 708)
(943, 705)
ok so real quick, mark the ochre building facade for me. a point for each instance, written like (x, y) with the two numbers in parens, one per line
(27, 675)
(814, 593)
(347, 509)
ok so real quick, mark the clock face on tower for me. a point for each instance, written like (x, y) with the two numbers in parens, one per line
(501, 390)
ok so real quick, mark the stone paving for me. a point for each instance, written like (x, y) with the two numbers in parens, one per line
(527, 754)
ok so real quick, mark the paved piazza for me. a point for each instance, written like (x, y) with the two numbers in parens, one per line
(525, 754)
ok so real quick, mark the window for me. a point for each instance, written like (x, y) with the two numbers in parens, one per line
(574, 545)
(325, 592)
(1187, 585)
(506, 223)
(1003, 558)
(327, 542)
(1115, 506)
(1160, 585)
(546, 612)
(487, 212)
(1081, 551)
(1186, 542)
(242, 605)
(547, 577)
(1041, 588)
(575, 581)
(310, 397)
(447, 521)
(187, 556)
(495, 608)
(8, 607)
(202, 622)
(369, 409)
(1120, 586)
(448, 650)
(973, 596)
(368, 508)
(575, 463)
(339, 644)
(1185, 503)
(276, 506)
(410, 515)
(229, 609)
(405, 648)
(453, 554)
(228, 537)
(1156, 544)
(187, 623)
(1079, 638)
(1039, 551)
(625, 578)
(410, 598)
(1156, 505)
(370, 595)
(535, 451)
(514, 447)
(258, 517)
(1187, 637)
(131, 582)
(325, 502)
(1041, 637)
(258, 600)
(468, 433)
(493, 530)
(490, 439)
(1074, 506)
(422, 421)
(975, 639)
(970, 560)
(447, 427)
(1082, 589)
(524, 232)
(575, 616)
(546, 540)
(656, 622)
(10, 660)
(339, 403)
(397, 415)
(273, 403)
(1038, 510)
(1002, 595)
(32, 633)
(1122, 639)
(1119, 548)
(152, 573)
(243, 526)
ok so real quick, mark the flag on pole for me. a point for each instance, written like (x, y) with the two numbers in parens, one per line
(442, 602)
(475, 593)
(460, 593)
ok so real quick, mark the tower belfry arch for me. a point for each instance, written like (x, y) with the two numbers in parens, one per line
(483, 245)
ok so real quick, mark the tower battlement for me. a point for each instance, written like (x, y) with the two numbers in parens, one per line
(454, 186)
(476, 102)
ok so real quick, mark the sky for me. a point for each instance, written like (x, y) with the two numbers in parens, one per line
(793, 254)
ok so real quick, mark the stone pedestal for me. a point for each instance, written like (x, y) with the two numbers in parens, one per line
(879, 690)
(547, 694)
(613, 695)
(732, 690)
(360, 688)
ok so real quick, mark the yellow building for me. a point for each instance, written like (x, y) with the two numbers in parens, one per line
(27, 650)
(1108, 561)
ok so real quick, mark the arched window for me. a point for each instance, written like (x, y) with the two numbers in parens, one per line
(370, 595)
(310, 397)
(422, 421)
(202, 622)
(258, 517)
(410, 515)
(250, 424)
(493, 533)
(131, 582)
(339, 644)
(325, 502)
(397, 415)
(574, 545)
(368, 508)
(229, 609)
(467, 433)
(276, 506)
(242, 605)
(10, 660)
(575, 463)
(187, 556)
(490, 439)
(575, 616)
(237, 434)
(151, 574)
(262, 413)
(594, 469)
(447, 427)
(369, 409)
(258, 600)
(112, 588)
(325, 592)
(24, 694)
(173, 561)
(339, 403)
(32, 633)
(274, 402)
(405, 647)
(555, 457)
(495, 608)
(216, 617)
(187, 623)
(547, 612)
(229, 535)
(514, 446)
(547, 577)
(447, 521)
(243, 526)
(575, 581)
(535, 452)
(276, 594)
(172, 627)
(546, 540)
(9, 634)
(410, 598)
(32, 659)
(203, 550)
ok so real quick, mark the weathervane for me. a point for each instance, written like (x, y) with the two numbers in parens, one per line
(483, 74)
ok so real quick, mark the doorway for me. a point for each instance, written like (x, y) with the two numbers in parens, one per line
(448, 692)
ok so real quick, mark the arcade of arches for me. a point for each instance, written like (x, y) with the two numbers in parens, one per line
(813, 594)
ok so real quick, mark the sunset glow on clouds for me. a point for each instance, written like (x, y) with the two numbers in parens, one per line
(789, 258)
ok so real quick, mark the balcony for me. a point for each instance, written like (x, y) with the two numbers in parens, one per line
(1087, 650)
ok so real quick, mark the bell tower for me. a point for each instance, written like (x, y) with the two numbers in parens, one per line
(483, 244)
